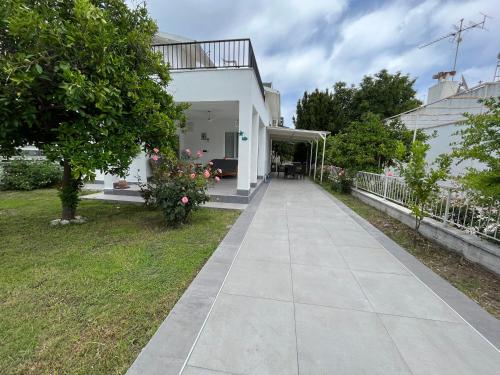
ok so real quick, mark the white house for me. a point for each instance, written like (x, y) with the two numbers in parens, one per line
(230, 112)
(447, 101)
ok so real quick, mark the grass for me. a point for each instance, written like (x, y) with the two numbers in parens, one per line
(84, 299)
(478, 283)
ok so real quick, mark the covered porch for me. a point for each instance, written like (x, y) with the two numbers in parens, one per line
(315, 141)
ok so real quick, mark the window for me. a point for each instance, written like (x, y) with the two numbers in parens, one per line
(231, 145)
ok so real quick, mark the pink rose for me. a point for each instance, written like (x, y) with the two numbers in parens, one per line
(156, 150)
(155, 157)
(217, 178)
(193, 176)
(389, 173)
(199, 154)
(219, 171)
(206, 173)
(184, 200)
(187, 151)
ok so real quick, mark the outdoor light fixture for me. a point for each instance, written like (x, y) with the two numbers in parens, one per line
(241, 133)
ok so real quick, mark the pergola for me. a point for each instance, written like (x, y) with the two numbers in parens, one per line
(281, 134)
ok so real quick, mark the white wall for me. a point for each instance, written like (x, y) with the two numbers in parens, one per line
(211, 85)
(227, 85)
(442, 117)
(215, 147)
(440, 144)
(138, 168)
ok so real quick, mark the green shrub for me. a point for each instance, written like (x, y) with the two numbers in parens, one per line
(341, 181)
(29, 175)
(178, 187)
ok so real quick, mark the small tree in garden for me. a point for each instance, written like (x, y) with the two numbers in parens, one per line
(367, 145)
(79, 81)
(178, 187)
(422, 180)
(480, 141)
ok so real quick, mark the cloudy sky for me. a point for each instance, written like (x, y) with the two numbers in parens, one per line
(304, 44)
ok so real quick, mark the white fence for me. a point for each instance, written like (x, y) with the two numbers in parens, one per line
(451, 205)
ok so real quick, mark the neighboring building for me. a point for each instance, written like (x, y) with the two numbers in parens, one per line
(447, 101)
(231, 112)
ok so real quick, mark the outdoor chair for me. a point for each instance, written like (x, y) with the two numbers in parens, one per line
(290, 170)
(281, 169)
(299, 170)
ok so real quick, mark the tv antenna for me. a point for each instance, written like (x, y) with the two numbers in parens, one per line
(456, 36)
(496, 76)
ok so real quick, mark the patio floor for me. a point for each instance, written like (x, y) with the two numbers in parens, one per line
(311, 291)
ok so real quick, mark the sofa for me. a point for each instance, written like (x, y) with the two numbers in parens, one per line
(229, 167)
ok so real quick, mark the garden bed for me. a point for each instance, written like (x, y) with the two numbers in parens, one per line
(87, 298)
(476, 282)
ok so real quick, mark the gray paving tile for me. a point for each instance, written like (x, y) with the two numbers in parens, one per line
(316, 254)
(334, 341)
(403, 295)
(176, 334)
(275, 251)
(247, 335)
(265, 238)
(224, 253)
(431, 347)
(371, 259)
(155, 364)
(260, 279)
(327, 287)
(354, 238)
(191, 370)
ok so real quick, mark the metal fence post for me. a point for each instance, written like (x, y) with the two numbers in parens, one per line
(447, 208)
(385, 186)
(356, 180)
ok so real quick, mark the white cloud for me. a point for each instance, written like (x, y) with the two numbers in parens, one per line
(301, 45)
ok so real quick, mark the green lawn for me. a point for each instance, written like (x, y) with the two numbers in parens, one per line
(85, 299)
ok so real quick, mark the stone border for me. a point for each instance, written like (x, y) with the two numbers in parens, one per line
(473, 248)
(486, 324)
(167, 350)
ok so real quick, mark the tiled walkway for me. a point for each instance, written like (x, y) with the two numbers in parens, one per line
(311, 292)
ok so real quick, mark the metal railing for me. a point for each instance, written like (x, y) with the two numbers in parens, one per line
(453, 206)
(211, 54)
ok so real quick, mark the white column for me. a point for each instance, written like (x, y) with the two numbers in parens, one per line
(244, 147)
(316, 160)
(255, 149)
(109, 179)
(263, 152)
(323, 159)
(311, 157)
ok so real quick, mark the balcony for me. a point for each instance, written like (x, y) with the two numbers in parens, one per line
(212, 54)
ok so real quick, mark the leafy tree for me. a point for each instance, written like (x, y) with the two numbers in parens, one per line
(284, 149)
(325, 110)
(480, 141)
(367, 145)
(422, 180)
(80, 81)
(314, 111)
(384, 94)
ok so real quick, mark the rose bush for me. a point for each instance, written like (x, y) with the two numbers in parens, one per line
(341, 181)
(178, 187)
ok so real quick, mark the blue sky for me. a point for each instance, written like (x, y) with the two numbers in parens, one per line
(301, 45)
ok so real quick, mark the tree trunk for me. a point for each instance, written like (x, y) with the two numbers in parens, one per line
(67, 187)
